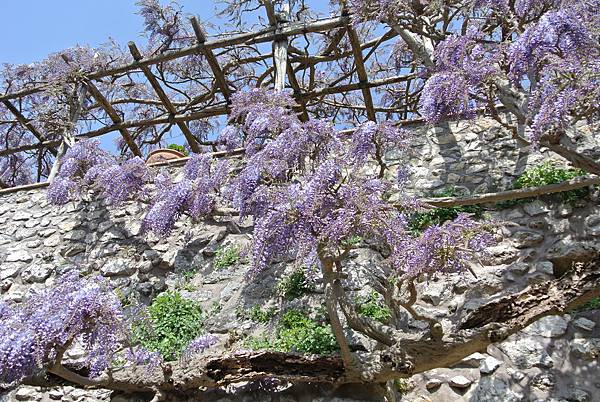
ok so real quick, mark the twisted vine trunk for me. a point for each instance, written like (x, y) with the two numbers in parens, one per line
(407, 355)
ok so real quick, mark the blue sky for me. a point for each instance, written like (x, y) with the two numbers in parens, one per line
(31, 29)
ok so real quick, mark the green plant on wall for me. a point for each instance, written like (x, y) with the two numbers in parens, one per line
(593, 304)
(177, 147)
(543, 175)
(295, 285)
(172, 323)
(373, 307)
(226, 257)
(297, 332)
(258, 314)
(422, 220)
(548, 173)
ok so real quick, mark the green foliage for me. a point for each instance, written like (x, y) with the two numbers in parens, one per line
(351, 242)
(257, 314)
(215, 308)
(547, 173)
(373, 307)
(422, 220)
(261, 342)
(226, 257)
(297, 332)
(173, 323)
(593, 304)
(125, 300)
(295, 285)
(402, 385)
(177, 147)
(543, 175)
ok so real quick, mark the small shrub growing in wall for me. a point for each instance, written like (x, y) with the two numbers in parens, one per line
(422, 220)
(297, 332)
(548, 173)
(177, 147)
(295, 285)
(171, 324)
(226, 257)
(256, 313)
(373, 307)
(543, 175)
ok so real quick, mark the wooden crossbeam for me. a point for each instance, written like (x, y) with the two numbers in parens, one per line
(357, 85)
(211, 59)
(27, 124)
(114, 116)
(260, 36)
(212, 111)
(207, 112)
(361, 71)
(164, 98)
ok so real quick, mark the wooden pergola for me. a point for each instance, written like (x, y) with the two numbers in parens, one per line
(287, 62)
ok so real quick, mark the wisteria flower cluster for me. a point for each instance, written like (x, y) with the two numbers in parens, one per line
(449, 247)
(38, 331)
(462, 65)
(263, 113)
(196, 194)
(86, 165)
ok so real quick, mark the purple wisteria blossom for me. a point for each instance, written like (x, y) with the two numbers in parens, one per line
(34, 333)
(197, 346)
(195, 195)
(462, 65)
(86, 166)
(140, 356)
(449, 247)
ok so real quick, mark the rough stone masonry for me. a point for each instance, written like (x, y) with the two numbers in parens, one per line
(554, 359)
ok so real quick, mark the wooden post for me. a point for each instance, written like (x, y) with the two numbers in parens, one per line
(68, 139)
(281, 61)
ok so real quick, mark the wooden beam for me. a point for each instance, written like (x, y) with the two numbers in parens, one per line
(207, 112)
(260, 36)
(361, 71)
(356, 86)
(164, 98)
(210, 112)
(27, 124)
(211, 59)
(113, 115)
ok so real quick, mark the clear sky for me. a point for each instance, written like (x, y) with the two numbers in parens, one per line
(31, 29)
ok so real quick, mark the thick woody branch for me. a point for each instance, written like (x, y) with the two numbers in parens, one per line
(573, 184)
(491, 323)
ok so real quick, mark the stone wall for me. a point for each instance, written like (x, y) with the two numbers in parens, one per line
(554, 359)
